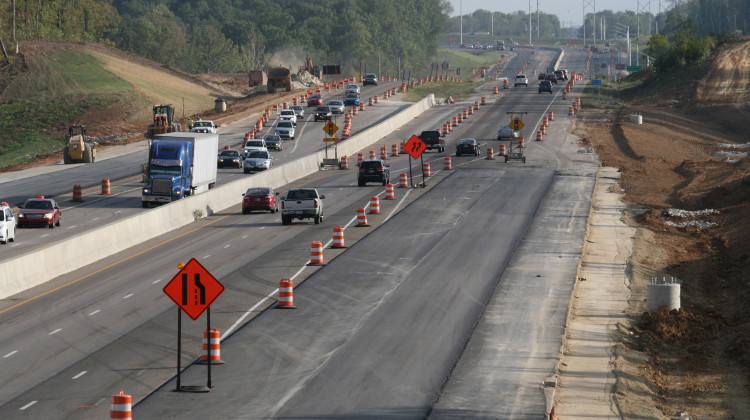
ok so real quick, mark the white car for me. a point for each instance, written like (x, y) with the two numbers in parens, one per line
(288, 115)
(505, 132)
(253, 145)
(521, 79)
(337, 107)
(285, 129)
(351, 89)
(257, 160)
(204, 126)
(299, 110)
(7, 224)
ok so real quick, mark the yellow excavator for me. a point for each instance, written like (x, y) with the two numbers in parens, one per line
(78, 150)
(310, 68)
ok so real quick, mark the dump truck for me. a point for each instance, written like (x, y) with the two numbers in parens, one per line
(163, 121)
(279, 78)
(78, 150)
(256, 78)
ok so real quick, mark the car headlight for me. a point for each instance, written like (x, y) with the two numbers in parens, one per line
(20, 215)
(48, 216)
(146, 191)
(177, 191)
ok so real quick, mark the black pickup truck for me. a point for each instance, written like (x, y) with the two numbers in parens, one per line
(433, 140)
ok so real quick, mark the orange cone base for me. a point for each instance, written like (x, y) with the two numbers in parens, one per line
(213, 362)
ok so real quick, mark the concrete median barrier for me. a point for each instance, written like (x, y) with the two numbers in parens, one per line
(38, 266)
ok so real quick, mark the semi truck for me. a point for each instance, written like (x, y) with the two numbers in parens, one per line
(179, 165)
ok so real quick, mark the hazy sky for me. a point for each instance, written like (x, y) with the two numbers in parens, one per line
(566, 10)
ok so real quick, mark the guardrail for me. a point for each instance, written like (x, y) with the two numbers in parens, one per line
(38, 266)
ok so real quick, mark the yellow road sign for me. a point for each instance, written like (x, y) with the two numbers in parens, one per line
(332, 139)
(516, 138)
(516, 124)
(330, 128)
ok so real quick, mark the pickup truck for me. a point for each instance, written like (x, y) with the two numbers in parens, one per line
(302, 203)
(433, 140)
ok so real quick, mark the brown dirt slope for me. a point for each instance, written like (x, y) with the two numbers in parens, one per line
(685, 156)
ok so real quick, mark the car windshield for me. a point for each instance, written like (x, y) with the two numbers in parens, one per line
(322, 109)
(352, 95)
(335, 103)
(285, 124)
(520, 76)
(38, 205)
(258, 191)
(202, 124)
(300, 194)
(272, 138)
(254, 144)
(164, 170)
(314, 96)
(466, 141)
(258, 155)
(297, 108)
(370, 75)
(288, 112)
(230, 153)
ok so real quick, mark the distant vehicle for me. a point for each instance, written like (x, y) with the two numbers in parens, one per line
(545, 86)
(273, 142)
(560, 75)
(278, 78)
(257, 160)
(467, 146)
(299, 111)
(433, 139)
(337, 107)
(541, 76)
(370, 79)
(78, 150)
(253, 145)
(204, 126)
(314, 100)
(351, 99)
(323, 113)
(302, 203)
(7, 224)
(260, 198)
(285, 129)
(521, 80)
(505, 132)
(39, 211)
(229, 157)
(373, 171)
(352, 89)
(288, 115)
(551, 77)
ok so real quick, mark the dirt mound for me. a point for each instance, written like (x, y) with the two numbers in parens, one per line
(727, 79)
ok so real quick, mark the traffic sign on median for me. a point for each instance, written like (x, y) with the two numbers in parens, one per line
(193, 289)
(331, 139)
(516, 124)
(415, 146)
(330, 128)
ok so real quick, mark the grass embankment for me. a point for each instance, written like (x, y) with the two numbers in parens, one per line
(462, 64)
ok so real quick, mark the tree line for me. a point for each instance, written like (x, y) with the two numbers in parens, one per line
(205, 36)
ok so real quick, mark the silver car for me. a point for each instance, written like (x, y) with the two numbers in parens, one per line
(337, 107)
(505, 132)
(299, 110)
(257, 160)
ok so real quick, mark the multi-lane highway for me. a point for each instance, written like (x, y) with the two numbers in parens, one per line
(396, 325)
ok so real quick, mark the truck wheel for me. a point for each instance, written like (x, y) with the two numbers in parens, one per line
(285, 220)
(66, 156)
(87, 153)
(318, 219)
(144, 204)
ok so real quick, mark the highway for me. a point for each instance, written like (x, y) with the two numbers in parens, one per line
(76, 340)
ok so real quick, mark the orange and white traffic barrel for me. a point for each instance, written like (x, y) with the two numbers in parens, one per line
(294, 101)
(371, 101)
(372, 155)
(247, 136)
(545, 121)
(374, 205)
(455, 121)
(77, 194)
(390, 194)
(121, 406)
(490, 153)
(361, 106)
(394, 149)
(383, 153)
(445, 129)
(360, 158)
(447, 164)
(471, 110)
(450, 100)
(466, 114)
(211, 347)
(551, 116)
(106, 190)
(484, 100)
(521, 143)
(377, 100)
(286, 295)
(344, 162)
(539, 135)
(316, 253)
(403, 181)
(403, 147)
(426, 169)
(361, 218)
(496, 90)
(503, 150)
(355, 111)
(505, 83)
(571, 111)
(460, 118)
(338, 237)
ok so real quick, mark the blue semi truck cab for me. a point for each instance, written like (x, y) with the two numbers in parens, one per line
(179, 165)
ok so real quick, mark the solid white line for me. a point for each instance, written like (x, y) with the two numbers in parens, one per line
(244, 237)
(127, 296)
(11, 353)
(46, 234)
(56, 331)
(79, 375)
(227, 246)
(95, 218)
(206, 256)
(398, 205)
(262, 227)
(236, 323)
(95, 312)
(156, 281)
(28, 405)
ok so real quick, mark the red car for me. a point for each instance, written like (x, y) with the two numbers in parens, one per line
(39, 211)
(541, 76)
(315, 100)
(551, 77)
(260, 198)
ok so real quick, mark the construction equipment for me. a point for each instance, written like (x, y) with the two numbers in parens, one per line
(78, 150)
(310, 68)
(163, 121)
(256, 78)
(279, 78)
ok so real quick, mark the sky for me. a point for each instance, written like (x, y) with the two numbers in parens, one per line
(566, 10)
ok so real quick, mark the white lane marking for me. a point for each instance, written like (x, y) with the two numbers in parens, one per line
(400, 202)
(227, 246)
(262, 227)
(244, 237)
(118, 211)
(28, 405)
(46, 234)
(127, 296)
(95, 312)
(79, 375)
(206, 256)
(10, 354)
(71, 227)
(95, 218)
(56, 331)
(156, 281)
(245, 315)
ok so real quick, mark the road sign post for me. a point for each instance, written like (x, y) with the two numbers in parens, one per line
(193, 289)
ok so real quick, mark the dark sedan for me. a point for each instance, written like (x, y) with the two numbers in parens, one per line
(260, 198)
(467, 147)
(322, 113)
(230, 158)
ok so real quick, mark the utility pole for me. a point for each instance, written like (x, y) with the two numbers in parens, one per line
(461, 13)
(530, 23)
(537, 18)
